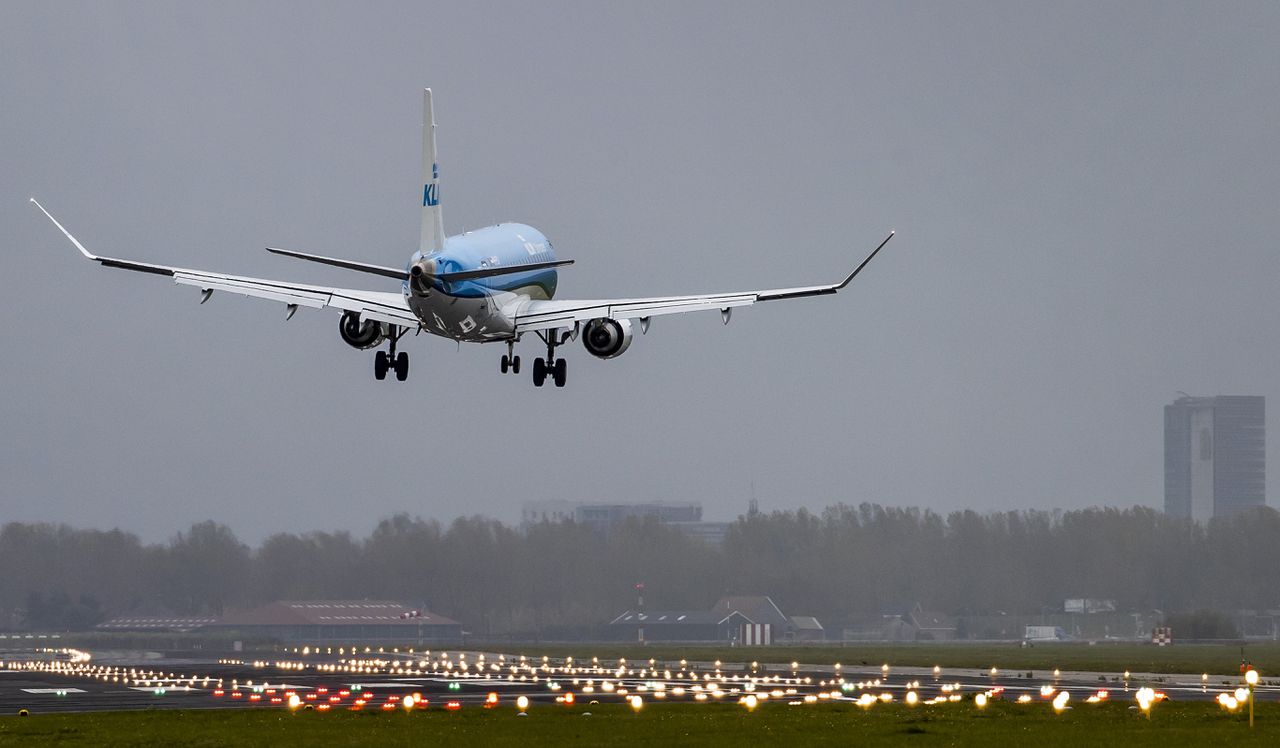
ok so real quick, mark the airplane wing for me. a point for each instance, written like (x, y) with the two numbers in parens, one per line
(381, 306)
(544, 315)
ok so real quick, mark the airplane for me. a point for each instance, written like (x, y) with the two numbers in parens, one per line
(491, 285)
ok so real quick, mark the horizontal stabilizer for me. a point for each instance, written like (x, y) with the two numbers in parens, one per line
(505, 270)
(348, 264)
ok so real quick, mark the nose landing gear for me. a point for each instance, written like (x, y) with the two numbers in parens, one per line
(510, 361)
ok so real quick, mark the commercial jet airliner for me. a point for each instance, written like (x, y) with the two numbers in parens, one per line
(490, 285)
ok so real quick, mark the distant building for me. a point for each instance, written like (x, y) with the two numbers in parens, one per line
(678, 626)
(807, 629)
(342, 621)
(723, 623)
(604, 517)
(1041, 633)
(1088, 605)
(533, 512)
(156, 623)
(932, 625)
(1215, 460)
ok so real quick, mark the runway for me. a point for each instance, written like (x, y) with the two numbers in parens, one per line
(71, 681)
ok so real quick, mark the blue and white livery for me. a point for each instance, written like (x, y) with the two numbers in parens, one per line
(491, 285)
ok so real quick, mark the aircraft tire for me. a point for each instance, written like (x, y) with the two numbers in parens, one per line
(402, 366)
(504, 364)
(515, 365)
(539, 372)
(561, 372)
(380, 365)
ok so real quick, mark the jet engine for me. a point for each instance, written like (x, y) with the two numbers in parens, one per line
(606, 338)
(358, 334)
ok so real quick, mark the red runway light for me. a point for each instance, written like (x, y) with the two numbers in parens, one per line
(453, 706)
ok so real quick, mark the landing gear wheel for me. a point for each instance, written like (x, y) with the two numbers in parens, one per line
(560, 371)
(402, 366)
(539, 372)
(380, 365)
(505, 364)
(515, 365)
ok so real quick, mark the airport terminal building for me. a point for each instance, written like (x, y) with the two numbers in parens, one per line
(341, 621)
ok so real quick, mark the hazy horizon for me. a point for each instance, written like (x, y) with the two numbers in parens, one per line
(1085, 200)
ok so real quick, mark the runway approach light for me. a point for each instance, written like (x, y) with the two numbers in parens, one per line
(1251, 677)
(1146, 696)
(522, 702)
(294, 701)
(636, 703)
(1060, 701)
(980, 701)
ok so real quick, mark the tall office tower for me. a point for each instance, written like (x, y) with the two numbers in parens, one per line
(1215, 456)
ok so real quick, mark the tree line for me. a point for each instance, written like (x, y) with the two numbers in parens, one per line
(564, 580)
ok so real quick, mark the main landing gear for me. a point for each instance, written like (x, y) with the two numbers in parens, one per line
(552, 367)
(555, 369)
(398, 362)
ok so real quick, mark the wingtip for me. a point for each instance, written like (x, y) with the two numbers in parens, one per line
(64, 231)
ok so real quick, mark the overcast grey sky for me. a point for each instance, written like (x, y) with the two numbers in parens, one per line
(1085, 197)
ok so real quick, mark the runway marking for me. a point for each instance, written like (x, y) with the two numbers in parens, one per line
(55, 690)
(387, 685)
(470, 681)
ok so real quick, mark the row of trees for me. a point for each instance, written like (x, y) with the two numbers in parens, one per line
(561, 578)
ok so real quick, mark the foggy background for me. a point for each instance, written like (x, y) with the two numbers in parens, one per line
(1085, 200)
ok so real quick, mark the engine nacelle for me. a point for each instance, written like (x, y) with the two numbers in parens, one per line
(359, 334)
(607, 338)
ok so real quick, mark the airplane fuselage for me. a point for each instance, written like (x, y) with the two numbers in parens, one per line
(483, 309)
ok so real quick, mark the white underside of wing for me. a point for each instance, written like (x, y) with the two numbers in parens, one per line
(543, 315)
(381, 306)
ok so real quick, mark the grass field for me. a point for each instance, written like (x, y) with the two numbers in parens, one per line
(662, 724)
(1218, 659)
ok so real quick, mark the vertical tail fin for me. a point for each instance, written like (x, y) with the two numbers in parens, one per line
(432, 238)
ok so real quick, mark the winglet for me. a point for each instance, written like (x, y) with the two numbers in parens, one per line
(63, 229)
(871, 256)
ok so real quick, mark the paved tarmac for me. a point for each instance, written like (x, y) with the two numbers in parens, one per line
(53, 682)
